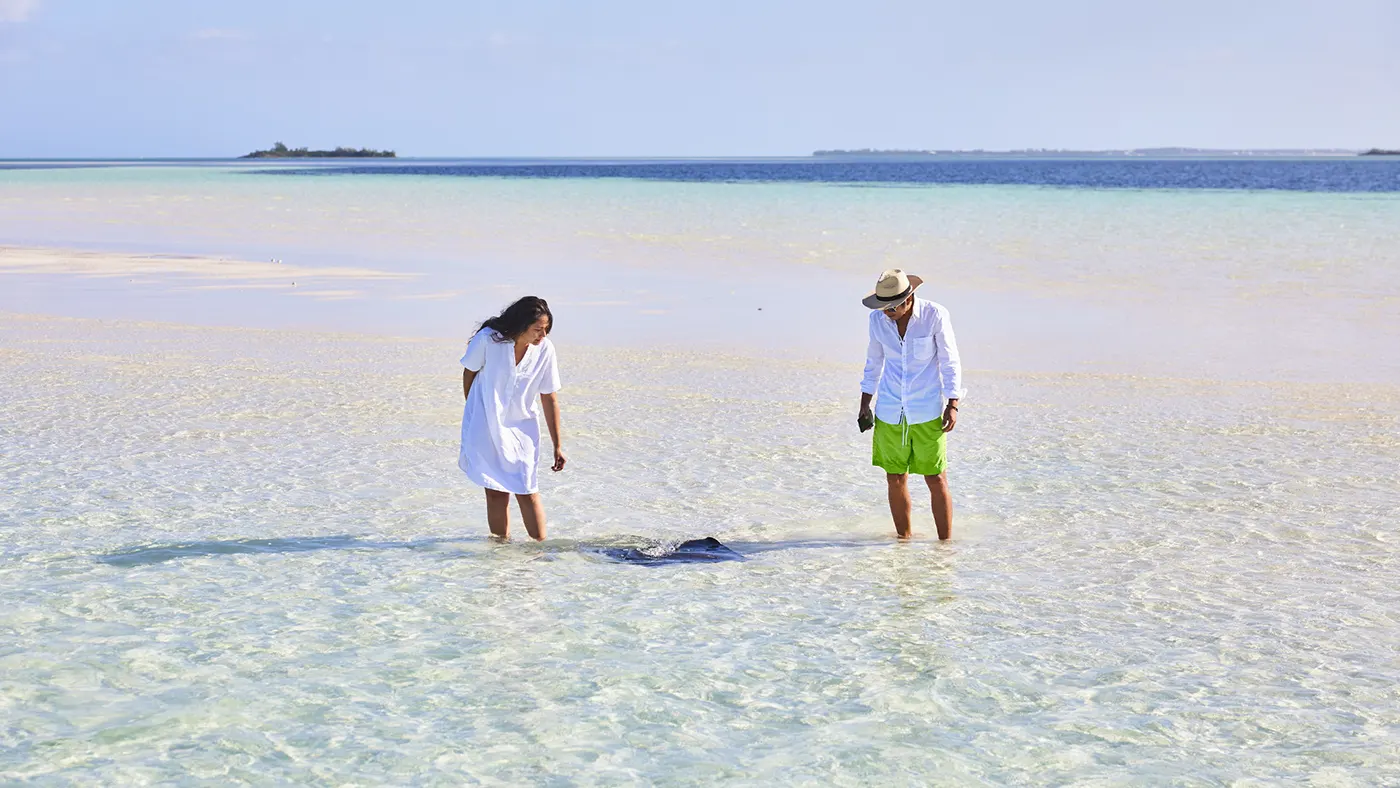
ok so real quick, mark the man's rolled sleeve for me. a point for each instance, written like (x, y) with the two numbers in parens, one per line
(949, 364)
(874, 365)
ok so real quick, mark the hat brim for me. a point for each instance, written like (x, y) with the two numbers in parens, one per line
(873, 301)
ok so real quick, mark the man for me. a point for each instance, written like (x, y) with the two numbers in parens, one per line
(912, 364)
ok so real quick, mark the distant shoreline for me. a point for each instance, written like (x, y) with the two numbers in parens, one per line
(1032, 153)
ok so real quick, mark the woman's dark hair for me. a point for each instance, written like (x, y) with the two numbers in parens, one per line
(519, 316)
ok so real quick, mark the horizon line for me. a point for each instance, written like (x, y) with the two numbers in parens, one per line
(1166, 151)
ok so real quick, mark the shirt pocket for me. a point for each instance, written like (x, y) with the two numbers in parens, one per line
(921, 348)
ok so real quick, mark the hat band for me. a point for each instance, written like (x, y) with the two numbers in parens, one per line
(901, 296)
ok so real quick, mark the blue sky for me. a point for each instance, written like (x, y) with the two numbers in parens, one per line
(725, 77)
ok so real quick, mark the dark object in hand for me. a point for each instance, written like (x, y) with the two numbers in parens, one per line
(865, 422)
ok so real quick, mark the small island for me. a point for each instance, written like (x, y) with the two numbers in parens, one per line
(1380, 152)
(280, 151)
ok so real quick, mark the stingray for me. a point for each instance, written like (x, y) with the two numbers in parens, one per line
(694, 551)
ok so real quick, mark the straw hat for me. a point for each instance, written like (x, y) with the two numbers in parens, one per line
(894, 288)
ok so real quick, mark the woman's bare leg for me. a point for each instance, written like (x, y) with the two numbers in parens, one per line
(498, 513)
(532, 512)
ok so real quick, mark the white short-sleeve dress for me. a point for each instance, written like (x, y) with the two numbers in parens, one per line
(500, 424)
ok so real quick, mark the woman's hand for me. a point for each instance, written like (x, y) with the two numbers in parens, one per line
(551, 418)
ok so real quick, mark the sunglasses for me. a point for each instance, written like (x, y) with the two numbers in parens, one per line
(890, 310)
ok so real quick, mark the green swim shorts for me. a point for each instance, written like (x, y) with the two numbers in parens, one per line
(923, 450)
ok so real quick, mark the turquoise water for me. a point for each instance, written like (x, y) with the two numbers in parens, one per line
(1175, 481)
(1150, 281)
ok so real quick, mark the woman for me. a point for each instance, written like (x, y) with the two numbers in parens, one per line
(508, 366)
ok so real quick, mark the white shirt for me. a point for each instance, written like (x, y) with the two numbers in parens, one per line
(911, 377)
(500, 422)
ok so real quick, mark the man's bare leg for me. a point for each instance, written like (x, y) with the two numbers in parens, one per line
(498, 513)
(942, 504)
(532, 512)
(901, 507)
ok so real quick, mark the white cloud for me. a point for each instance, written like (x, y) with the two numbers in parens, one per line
(503, 40)
(16, 10)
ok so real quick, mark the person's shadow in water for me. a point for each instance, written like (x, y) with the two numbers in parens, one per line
(628, 550)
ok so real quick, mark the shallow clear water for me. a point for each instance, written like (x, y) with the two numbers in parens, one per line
(1167, 579)
(1162, 572)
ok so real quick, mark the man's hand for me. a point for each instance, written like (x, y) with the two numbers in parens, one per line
(950, 415)
(559, 459)
(865, 419)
